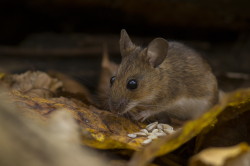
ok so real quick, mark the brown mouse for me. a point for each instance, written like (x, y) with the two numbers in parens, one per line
(165, 77)
(108, 69)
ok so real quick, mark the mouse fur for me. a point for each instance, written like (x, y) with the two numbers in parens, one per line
(170, 76)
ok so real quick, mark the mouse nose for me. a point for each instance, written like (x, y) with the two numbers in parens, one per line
(117, 106)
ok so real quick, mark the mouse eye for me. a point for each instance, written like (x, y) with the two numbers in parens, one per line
(112, 80)
(132, 84)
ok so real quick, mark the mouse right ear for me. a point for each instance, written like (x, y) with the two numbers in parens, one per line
(157, 51)
(126, 45)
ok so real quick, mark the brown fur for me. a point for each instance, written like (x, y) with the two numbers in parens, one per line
(181, 74)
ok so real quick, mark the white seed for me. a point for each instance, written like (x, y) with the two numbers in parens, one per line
(160, 134)
(166, 126)
(147, 141)
(144, 131)
(141, 134)
(160, 126)
(152, 136)
(132, 135)
(160, 131)
(155, 131)
(168, 131)
(151, 126)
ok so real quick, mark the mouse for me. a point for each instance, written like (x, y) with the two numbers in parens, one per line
(108, 69)
(165, 78)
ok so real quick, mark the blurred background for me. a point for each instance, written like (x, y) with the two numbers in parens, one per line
(68, 35)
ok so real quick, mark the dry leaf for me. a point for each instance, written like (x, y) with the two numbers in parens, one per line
(238, 102)
(233, 125)
(72, 87)
(1, 75)
(32, 83)
(105, 130)
(27, 142)
(100, 129)
(225, 156)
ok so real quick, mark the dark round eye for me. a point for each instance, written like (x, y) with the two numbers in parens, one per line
(132, 84)
(112, 80)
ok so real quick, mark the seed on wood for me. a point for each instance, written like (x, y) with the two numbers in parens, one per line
(168, 131)
(144, 131)
(160, 134)
(160, 131)
(132, 135)
(153, 136)
(155, 131)
(147, 141)
(151, 126)
(160, 126)
(166, 126)
(141, 134)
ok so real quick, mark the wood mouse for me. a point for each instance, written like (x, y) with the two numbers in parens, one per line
(165, 77)
(108, 69)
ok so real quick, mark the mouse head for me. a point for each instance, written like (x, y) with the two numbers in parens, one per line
(138, 77)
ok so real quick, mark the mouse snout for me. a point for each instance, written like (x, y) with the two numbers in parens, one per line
(117, 106)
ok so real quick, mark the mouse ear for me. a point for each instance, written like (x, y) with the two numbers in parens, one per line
(126, 44)
(157, 51)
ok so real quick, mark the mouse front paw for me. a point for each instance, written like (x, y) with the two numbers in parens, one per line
(142, 116)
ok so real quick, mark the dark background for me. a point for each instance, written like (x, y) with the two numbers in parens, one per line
(68, 35)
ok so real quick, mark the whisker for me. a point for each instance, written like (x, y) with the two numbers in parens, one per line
(102, 98)
(169, 112)
(151, 105)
